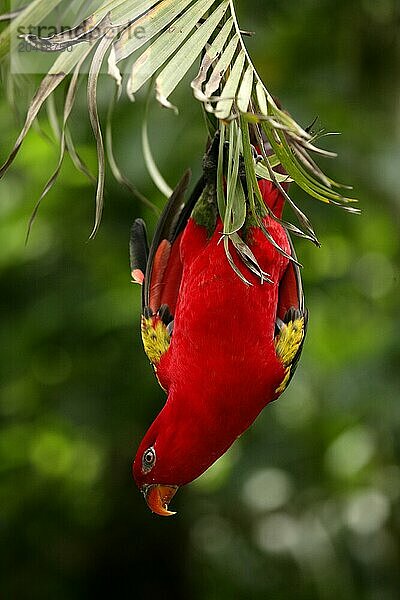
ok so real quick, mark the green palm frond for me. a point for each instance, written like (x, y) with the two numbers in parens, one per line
(166, 38)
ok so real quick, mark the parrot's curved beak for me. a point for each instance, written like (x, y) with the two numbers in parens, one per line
(158, 496)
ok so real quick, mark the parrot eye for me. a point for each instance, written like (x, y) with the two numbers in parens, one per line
(148, 460)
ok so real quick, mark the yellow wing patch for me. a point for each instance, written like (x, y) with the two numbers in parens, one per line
(156, 338)
(287, 345)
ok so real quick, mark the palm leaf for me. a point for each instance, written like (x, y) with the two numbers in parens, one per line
(182, 61)
(165, 45)
(152, 21)
(97, 61)
(69, 102)
(224, 105)
(220, 69)
(212, 52)
(173, 35)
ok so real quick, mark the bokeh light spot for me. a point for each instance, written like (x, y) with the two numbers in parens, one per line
(267, 489)
(367, 511)
(277, 533)
(51, 453)
(350, 452)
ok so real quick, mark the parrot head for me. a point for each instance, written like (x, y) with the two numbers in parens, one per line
(150, 469)
(173, 453)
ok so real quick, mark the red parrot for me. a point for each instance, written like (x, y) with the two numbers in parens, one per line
(221, 349)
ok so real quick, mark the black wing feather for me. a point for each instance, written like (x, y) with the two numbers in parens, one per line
(138, 246)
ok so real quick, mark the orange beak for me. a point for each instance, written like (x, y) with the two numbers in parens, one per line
(158, 497)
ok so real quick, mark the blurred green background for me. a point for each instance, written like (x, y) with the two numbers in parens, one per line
(306, 504)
